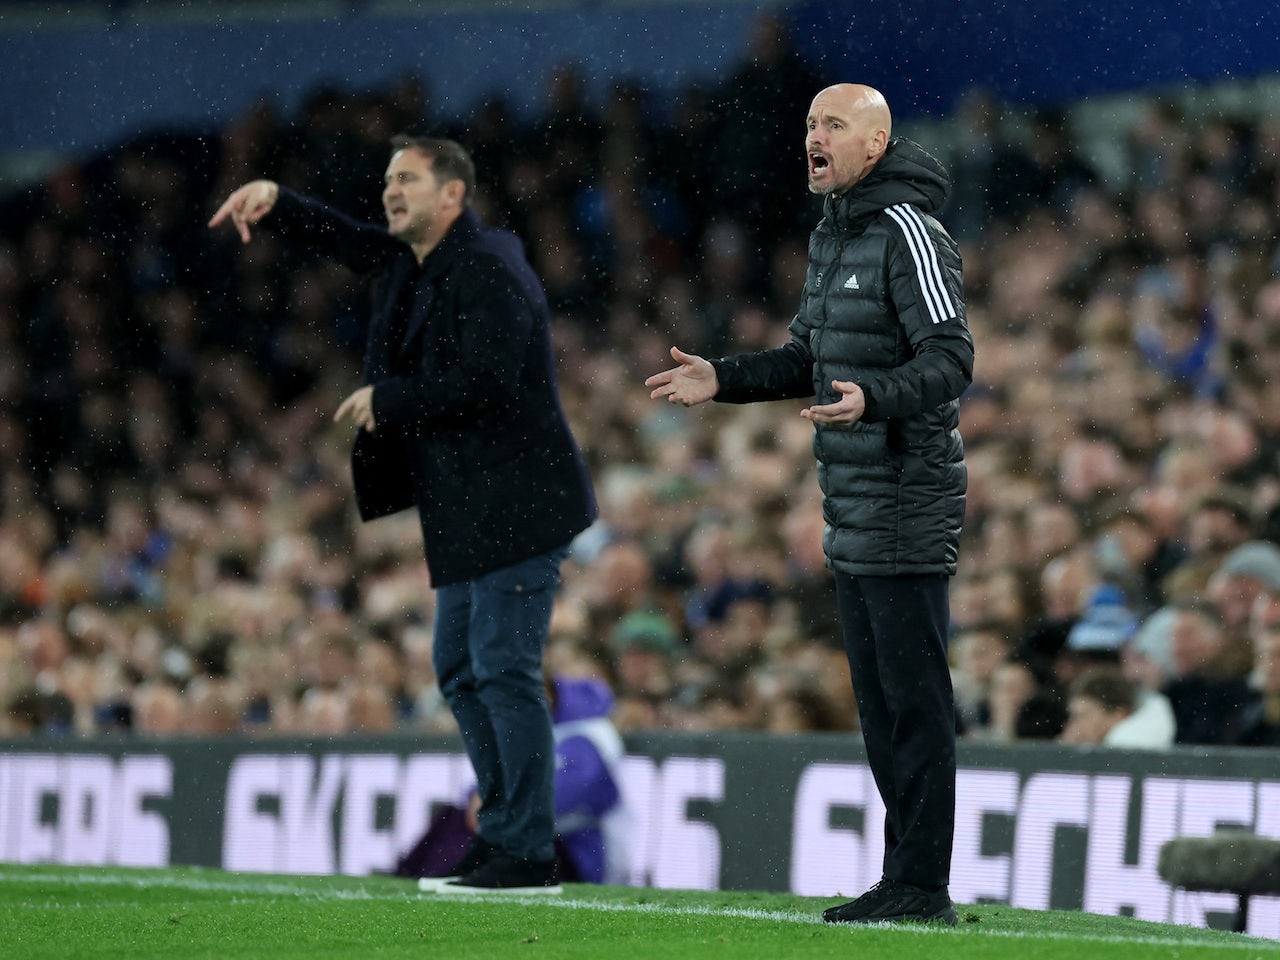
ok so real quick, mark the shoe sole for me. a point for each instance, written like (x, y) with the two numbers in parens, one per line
(431, 884)
(947, 917)
(455, 889)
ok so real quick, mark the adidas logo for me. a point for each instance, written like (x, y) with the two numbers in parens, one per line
(852, 282)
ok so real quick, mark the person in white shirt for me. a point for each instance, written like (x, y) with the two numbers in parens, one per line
(1107, 709)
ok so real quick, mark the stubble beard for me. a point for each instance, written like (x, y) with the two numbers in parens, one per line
(408, 230)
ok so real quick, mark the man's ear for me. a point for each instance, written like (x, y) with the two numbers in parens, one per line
(456, 191)
(879, 143)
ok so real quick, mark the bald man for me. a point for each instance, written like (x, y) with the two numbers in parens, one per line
(881, 344)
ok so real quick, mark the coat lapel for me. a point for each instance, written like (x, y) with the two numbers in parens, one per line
(434, 268)
(379, 353)
(382, 356)
(423, 297)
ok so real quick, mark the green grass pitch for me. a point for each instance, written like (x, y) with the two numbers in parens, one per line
(76, 913)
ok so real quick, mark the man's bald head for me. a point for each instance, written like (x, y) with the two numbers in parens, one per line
(866, 103)
(848, 126)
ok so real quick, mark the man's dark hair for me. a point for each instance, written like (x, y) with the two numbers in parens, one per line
(1202, 608)
(1043, 717)
(449, 160)
(1229, 500)
(1110, 688)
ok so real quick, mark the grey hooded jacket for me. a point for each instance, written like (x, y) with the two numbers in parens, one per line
(883, 307)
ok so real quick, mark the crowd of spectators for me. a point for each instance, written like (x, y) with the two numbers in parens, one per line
(179, 552)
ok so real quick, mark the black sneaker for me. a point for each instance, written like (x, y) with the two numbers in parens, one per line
(477, 855)
(891, 901)
(506, 874)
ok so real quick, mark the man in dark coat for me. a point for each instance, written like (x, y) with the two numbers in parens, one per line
(880, 339)
(1258, 723)
(459, 416)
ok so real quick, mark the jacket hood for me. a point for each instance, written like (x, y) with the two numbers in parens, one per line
(581, 699)
(907, 173)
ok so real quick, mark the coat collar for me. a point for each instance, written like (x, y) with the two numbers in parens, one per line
(456, 239)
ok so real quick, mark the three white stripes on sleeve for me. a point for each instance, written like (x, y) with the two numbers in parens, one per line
(929, 273)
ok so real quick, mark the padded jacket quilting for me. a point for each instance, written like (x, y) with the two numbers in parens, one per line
(883, 307)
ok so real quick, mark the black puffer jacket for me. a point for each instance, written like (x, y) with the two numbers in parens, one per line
(883, 307)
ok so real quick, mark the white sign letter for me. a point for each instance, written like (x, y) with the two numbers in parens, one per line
(835, 861)
(688, 855)
(1048, 800)
(366, 848)
(85, 809)
(1109, 882)
(975, 876)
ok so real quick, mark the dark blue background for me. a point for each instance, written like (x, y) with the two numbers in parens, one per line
(924, 55)
(84, 85)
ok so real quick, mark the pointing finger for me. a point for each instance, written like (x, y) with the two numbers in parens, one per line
(221, 213)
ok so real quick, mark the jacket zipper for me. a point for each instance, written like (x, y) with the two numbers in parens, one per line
(828, 279)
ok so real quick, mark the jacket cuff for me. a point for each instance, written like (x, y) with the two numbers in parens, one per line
(870, 411)
(287, 212)
(394, 401)
(719, 367)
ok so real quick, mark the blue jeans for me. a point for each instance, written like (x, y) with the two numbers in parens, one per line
(489, 637)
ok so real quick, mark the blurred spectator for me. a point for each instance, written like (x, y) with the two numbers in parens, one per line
(754, 139)
(158, 709)
(31, 711)
(176, 547)
(213, 708)
(709, 556)
(1107, 709)
(1147, 658)
(1043, 717)
(1065, 583)
(1247, 572)
(642, 647)
(800, 710)
(1013, 685)
(977, 651)
(622, 582)
(1130, 552)
(1258, 723)
(808, 589)
(1098, 637)
(1217, 521)
(370, 708)
(1208, 687)
(593, 825)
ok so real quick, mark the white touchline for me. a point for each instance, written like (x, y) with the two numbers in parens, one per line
(241, 884)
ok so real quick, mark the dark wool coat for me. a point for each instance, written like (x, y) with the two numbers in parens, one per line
(883, 307)
(469, 424)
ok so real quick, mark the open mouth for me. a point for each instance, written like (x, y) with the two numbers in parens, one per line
(818, 162)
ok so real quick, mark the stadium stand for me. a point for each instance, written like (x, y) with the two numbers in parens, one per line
(178, 549)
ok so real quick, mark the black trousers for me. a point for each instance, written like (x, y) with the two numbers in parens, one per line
(895, 635)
